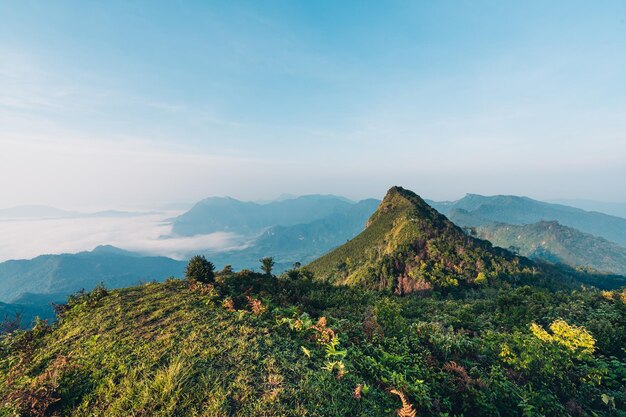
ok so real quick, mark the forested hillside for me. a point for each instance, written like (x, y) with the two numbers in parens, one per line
(408, 246)
(477, 210)
(553, 242)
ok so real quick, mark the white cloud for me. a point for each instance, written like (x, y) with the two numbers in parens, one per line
(25, 239)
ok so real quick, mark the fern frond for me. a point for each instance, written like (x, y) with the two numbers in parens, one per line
(407, 408)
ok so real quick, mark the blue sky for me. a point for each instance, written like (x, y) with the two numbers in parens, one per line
(138, 103)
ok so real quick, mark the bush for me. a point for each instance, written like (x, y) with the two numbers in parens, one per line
(199, 269)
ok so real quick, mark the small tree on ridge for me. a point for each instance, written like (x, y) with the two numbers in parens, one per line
(199, 269)
(267, 264)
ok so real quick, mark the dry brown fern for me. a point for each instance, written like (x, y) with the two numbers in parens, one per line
(407, 409)
(324, 334)
(228, 304)
(358, 392)
(461, 376)
(256, 306)
(36, 398)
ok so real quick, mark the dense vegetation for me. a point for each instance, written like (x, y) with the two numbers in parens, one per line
(255, 344)
(408, 246)
(433, 322)
(553, 242)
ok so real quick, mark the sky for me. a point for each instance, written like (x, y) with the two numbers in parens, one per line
(143, 103)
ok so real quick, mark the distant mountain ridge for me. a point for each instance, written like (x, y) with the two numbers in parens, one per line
(553, 242)
(216, 214)
(67, 273)
(614, 209)
(48, 212)
(408, 246)
(477, 210)
(302, 242)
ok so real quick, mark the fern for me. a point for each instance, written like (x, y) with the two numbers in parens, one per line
(407, 408)
(332, 351)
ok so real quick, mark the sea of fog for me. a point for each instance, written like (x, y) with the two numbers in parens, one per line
(28, 238)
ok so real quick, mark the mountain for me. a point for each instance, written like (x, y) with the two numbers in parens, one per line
(35, 211)
(301, 242)
(258, 345)
(614, 209)
(476, 210)
(408, 246)
(553, 242)
(47, 212)
(217, 214)
(67, 273)
(23, 315)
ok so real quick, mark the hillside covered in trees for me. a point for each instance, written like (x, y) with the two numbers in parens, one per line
(408, 246)
(553, 242)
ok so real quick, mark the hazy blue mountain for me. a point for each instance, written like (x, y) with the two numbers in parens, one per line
(476, 210)
(553, 242)
(66, 273)
(35, 211)
(47, 212)
(216, 214)
(614, 209)
(28, 311)
(302, 242)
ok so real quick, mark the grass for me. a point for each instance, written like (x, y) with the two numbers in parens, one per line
(297, 347)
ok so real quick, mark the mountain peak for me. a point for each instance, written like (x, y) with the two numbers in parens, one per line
(400, 200)
(408, 246)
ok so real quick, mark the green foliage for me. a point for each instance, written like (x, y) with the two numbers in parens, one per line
(172, 349)
(267, 264)
(553, 242)
(409, 247)
(199, 269)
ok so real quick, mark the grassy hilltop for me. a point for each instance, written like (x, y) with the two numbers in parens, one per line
(256, 345)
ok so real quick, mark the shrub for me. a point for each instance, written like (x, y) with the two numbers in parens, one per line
(200, 269)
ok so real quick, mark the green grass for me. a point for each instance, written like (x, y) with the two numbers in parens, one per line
(168, 350)
(163, 350)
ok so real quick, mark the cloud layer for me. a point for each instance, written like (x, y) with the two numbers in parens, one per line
(25, 239)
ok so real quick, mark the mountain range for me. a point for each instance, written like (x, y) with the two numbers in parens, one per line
(225, 214)
(551, 241)
(47, 212)
(302, 229)
(67, 273)
(412, 316)
(477, 210)
(302, 242)
(408, 246)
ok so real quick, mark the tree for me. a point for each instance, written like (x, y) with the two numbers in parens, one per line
(199, 269)
(297, 265)
(11, 324)
(267, 264)
(227, 270)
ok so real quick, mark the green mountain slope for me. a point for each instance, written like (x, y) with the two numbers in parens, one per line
(67, 273)
(256, 345)
(478, 210)
(553, 242)
(408, 246)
